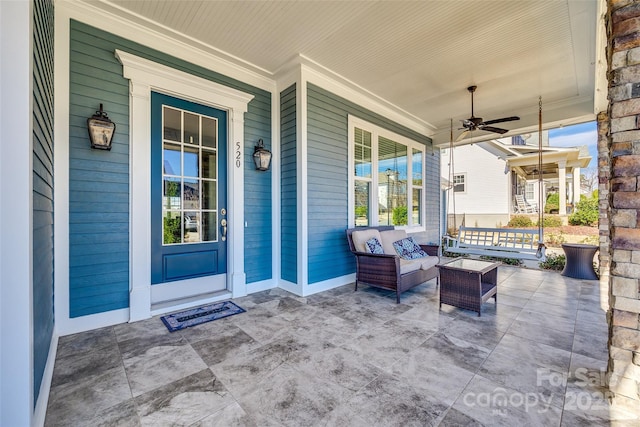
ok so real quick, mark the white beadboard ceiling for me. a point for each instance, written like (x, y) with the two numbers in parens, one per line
(418, 55)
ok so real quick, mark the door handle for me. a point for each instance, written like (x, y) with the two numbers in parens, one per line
(223, 223)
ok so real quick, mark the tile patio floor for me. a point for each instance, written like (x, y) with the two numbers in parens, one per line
(344, 358)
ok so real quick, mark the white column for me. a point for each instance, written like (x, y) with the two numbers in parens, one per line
(140, 200)
(576, 186)
(562, 187)
(16, 282)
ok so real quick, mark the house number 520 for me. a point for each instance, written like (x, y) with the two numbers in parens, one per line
(238, 155)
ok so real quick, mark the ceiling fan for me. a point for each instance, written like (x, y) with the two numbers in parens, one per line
(476, 123)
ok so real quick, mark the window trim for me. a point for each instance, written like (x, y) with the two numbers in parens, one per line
(377, 131)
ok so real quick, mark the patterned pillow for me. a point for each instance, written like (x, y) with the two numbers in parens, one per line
(409, 249)
(374, 246)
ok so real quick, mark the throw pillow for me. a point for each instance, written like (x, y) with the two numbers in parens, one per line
(374, 246)
(409, 249)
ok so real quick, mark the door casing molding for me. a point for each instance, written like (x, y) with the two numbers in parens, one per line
(145, 76)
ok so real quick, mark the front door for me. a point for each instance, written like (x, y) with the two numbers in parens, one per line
(188, 198)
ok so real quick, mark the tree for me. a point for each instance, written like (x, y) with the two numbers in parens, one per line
(589, 180)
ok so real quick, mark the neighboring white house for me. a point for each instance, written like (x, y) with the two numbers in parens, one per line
(484, 178)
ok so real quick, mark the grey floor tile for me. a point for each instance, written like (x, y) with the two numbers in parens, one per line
(456, 351)
(339, 365)
(437, 377)
(341, 358)
(183, 402)
(493, 404)
(533, 332)
(86, 365)
(73, 345)
(161, 365)
(229, 342)
(292, 398)
(389, 401)
(242, 373)
(230, 416)
(76, 402)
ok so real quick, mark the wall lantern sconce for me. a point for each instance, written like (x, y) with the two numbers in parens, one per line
(101, 130)
(261, 156)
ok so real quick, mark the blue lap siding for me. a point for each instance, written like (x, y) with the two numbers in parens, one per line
(99, 180)
(43, 12)
(327, 165)
(288, 221)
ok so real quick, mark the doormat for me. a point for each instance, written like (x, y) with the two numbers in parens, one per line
(195, 316)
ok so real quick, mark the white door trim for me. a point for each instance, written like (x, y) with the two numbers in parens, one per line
(146, 76)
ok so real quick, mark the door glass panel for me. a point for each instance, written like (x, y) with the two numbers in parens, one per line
(171, 227)
(191, 155)
(191, 225)
(209, 132)
(172, 165)
(209, 199)
(209, 226)
(172, 124)
(191, 129)
(171, 197)
(191, 194)
(209, 164)
(190, 170)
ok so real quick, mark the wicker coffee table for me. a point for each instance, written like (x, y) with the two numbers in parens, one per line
(467, 283)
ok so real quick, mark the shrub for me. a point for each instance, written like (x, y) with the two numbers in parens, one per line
(550, 221)
(556, 239)
(509, 261)
(591, 240)
(361, 211)
(586, 211)
(520, 221)
(400, 216)
(553, 203)
(553, 262)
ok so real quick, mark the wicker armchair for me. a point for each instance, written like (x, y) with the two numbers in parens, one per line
(388, 270)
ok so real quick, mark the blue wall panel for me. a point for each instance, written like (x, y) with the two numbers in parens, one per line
(288, 219)
(99, 180)
(43, 33)
(327, 166)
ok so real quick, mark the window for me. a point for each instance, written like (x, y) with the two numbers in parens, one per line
(189, 177)
(529, 192)
(460, 183)
(387, 172)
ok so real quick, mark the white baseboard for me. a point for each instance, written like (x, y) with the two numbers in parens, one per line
(40, 411)
(263, 285)
(92, 321)
(328, 284)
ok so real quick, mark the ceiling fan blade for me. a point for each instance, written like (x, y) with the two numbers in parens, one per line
(462, 135)
(502, 120)
(492, 129)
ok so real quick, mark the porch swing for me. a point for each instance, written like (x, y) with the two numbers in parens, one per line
(523, 244)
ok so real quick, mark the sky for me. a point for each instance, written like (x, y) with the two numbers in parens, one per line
(575, 136)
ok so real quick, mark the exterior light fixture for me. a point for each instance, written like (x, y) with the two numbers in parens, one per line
(101, 130)
(261, 156)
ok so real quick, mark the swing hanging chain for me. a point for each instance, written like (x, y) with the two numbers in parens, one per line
(541, 245)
